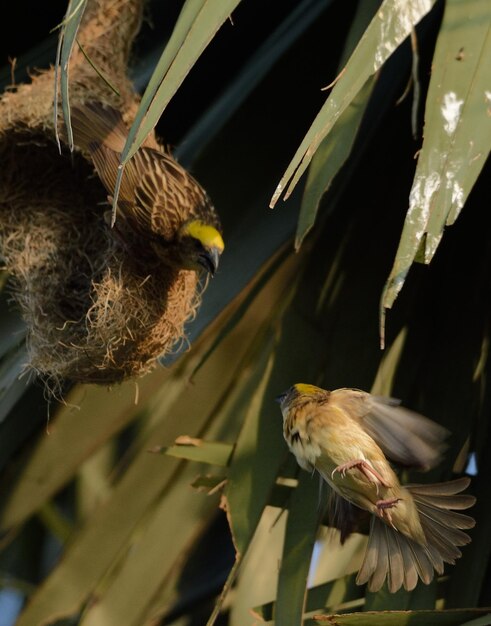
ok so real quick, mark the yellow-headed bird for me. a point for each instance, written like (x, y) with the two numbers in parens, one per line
(347, 435)
(161, 207)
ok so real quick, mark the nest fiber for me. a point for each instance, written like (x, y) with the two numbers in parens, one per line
(93, 312)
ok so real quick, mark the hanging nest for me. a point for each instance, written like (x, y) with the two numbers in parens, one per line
(93, 313)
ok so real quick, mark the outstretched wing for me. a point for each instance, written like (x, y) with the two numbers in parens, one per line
(404, 436)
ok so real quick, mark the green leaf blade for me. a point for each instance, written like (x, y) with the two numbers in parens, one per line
(301, 526)
(457, 136)
(388, 29)
(197, 24)
(329, 159)
(68, 36)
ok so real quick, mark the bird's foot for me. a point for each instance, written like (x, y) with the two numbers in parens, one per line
(365, 468)
(384, 507)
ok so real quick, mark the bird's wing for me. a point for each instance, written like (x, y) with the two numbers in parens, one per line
(101, 131)
(106, 162)
(165, 194)
(404, 436)
(94, 123)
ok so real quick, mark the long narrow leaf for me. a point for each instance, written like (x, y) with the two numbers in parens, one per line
(301, 526)
(457, 136)
(329, 158)
(388, 29)
(256, 286)
(336, 148)
(77, 434)
(261, 62)
(66, 42)
(197, 24)
(94, 550)
(160, 547)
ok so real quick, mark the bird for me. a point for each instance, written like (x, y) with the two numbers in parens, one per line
(349, 436)
(160, 207)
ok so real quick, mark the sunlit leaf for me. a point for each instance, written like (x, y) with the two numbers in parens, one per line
(384, 380)
(388, 29)
(160, 546)
(457, 135)
(94, 548)
(197, 24)
(165, 555)
(301, 526)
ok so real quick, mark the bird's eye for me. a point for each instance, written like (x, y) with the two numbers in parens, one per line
(197, 245)
(279, 399)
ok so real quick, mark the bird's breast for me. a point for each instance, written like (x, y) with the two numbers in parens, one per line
(305, 451)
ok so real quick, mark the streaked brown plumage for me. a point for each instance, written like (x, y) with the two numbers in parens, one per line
(346, 436)
(160, 204)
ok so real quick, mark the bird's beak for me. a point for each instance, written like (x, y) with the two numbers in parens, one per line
(279, 399)
(209, 260)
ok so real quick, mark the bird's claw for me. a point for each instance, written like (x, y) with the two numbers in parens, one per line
(384, 506)
(365, 468)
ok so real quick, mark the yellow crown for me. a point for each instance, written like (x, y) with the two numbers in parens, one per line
(306, 389)
(208, 235)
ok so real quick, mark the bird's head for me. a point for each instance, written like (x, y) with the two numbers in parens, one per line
(200, 246)
(300, 392)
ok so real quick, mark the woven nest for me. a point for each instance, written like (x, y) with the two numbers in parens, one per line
(93, 313)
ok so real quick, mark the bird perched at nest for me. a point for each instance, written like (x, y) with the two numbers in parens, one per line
(347, 435)
(160, 205)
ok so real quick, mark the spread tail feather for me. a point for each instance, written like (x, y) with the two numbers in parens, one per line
(401, 560)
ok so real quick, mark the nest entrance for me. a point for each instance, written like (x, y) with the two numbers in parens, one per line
(94, 313)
